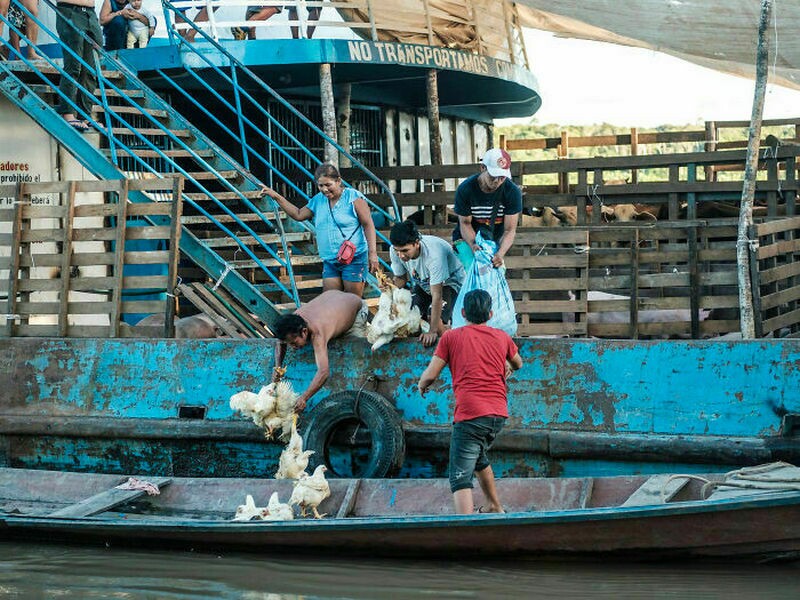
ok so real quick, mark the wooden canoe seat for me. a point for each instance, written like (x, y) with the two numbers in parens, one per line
(650, 492)
(99, 503)
(349, 500)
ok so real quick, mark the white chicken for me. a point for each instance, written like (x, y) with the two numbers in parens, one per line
(249, 510)
(396, 318)
(293, 461)
(271, 408)
(310, 491)
(277, 511)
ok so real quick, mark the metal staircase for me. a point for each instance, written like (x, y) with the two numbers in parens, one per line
(243, 242)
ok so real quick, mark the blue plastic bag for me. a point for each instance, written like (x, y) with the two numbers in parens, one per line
(483, 276)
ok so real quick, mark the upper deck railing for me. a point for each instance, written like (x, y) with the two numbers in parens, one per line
(468, 25)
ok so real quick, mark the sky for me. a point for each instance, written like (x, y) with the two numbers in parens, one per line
(583, 82)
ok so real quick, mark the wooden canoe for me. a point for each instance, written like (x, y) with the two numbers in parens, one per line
(631, 516)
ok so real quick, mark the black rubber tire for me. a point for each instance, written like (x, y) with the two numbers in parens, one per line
(375, 412)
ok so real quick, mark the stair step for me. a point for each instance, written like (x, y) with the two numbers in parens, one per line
(249, 240)
(111, 93)
(180, 133)
(204, 220)
(370, 302)
(133, 110)
(18, 66)
(199, 197)
(206, 175)
(144, 153)
(300, 260)
(302, 285)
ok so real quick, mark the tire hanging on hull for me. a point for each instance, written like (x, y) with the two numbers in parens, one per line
(370, 410)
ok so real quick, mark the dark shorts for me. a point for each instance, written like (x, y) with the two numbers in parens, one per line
(469, 442)
(356, 271)
(422, 299)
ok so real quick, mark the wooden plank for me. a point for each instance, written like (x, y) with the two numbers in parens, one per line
(176, 213)
(157, 282)
(587, 486)
(119, 260)
(83, 259)
(74, 308)
(104, 501)
(658, 489)
(202, 306)
(260, 329)
(13, 270)
(150, 209)
(66, 251)
(349, 500)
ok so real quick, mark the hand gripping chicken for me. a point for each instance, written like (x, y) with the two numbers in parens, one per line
(271, 408)
(396, 318)
(310, 491)
(293, 461)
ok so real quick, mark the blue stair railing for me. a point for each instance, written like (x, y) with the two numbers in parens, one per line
(147, 105)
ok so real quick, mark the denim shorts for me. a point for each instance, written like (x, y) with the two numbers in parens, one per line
(468, 445)
(355, 271)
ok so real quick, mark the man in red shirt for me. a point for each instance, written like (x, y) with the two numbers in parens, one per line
(480, 359)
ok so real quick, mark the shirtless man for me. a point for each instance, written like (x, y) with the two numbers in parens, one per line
(327, 316)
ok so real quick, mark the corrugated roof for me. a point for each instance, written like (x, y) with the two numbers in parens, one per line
(720, 34)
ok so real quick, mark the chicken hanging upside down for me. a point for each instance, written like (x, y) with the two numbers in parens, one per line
(272, 408)
(310, 491)
(396, 318)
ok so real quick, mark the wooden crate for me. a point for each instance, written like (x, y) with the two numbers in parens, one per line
(776, 278)
(66, 271)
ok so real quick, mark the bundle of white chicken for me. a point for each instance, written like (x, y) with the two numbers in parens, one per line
(274, 511)
(271, 408)
(294, 460)
(310, 490)
(396, 318)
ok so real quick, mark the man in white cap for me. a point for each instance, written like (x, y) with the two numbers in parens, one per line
(489, 201)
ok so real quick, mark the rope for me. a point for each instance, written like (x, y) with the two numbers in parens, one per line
(753, 478)
(367, 379)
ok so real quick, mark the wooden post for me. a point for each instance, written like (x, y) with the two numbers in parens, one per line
(711, 146)
(435, 137)
(634, 152)
(563, 152)
(66, 260)
(174, 256)
(746, 322)
(434, 129)
(119, 258)
(14, 266)
(343, 112)
(328, 112)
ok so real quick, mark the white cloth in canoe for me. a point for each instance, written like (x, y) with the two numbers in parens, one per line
(139, 484)
(768, 478)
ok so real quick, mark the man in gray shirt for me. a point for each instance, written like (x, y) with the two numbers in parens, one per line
(434, 271)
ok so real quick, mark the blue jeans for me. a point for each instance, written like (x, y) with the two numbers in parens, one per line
(468, 445)
(355, 271)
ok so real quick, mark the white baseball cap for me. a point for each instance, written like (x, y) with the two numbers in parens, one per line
(497, 162)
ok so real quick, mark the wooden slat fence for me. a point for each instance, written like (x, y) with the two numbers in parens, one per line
(777, 280)
(71, 264)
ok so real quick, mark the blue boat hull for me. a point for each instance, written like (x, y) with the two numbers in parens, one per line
(577, 407)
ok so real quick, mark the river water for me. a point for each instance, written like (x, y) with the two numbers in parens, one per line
(50, 571)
